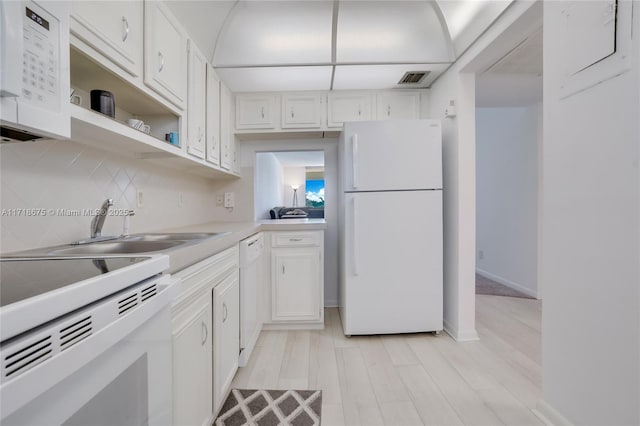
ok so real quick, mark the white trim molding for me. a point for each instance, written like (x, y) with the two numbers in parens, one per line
(460, 335)
(549, 415)
(508, 283)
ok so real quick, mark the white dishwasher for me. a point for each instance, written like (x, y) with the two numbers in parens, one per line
(251, 289)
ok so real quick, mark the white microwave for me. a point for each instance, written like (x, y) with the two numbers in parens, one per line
(34, 73)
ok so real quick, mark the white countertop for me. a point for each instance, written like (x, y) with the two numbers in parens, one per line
(182, 257)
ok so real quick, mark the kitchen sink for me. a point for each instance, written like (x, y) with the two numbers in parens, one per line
(117, 247)
(187, 236)
(133, 244)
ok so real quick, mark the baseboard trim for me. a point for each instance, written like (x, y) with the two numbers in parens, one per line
(549, 415)
(460, 335)
(508, 283)
(331, 303)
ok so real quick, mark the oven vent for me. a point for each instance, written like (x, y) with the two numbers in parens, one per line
(26, 356)
(73, 333)
(127, 303)
(148, 292)
(413, 77)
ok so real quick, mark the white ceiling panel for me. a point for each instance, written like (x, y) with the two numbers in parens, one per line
(355, 77)
(300, 158)
(390, 31)
(276, 33)
(276, 79)
(203, 20)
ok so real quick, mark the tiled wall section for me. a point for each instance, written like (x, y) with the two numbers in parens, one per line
(67, 175)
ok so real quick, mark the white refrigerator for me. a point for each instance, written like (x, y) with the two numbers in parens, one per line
(390, 268)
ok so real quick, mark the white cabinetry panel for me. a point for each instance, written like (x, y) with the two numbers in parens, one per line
(301, 111)
(192, 354)
(348, 107)
(165, 67)
(213, 117)
(255, 111)
(226, 336)
(116, 32)
(401, 105)
(196, 113)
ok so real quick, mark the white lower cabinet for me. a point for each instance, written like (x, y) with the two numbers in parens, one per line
(226, 336)
(192, 379)
(297, 278)
(205, 325)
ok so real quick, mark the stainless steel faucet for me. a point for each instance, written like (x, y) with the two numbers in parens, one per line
(98, 220)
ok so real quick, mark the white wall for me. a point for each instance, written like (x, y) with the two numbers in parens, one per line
(244, 196)
(591, 244)
(268, 184)
(507, 142)
(67, 175)
(294, 176)
(458, 84)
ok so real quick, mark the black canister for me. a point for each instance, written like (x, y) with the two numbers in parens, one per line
(103, 102)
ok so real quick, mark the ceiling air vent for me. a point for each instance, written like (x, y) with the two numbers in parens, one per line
(413, 77)
(73, 333)
(26, 356)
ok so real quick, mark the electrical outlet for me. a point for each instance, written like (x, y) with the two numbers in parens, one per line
(219, 200)
(140, 199)
(229, 200)
(480, 254)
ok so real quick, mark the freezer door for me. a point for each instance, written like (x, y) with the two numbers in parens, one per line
(391, 155)
(391, 262)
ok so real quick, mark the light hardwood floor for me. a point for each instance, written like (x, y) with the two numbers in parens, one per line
(412, 379)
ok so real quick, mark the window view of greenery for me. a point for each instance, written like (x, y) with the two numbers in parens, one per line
(314, 187)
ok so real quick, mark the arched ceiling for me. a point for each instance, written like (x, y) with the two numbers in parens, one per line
(280, 45)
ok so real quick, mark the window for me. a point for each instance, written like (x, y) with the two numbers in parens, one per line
(314, 196)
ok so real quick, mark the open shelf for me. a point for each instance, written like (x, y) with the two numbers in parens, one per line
(114, 135)
(94, 129)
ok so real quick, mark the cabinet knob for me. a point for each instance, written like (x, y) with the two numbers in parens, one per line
(225, 312)
(388, 110)
(262, 112)
(292, 114)
(161, 57)
(125, 29)
(205, 333)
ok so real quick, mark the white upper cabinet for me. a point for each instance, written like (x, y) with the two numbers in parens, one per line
(226, 156)
(401, 105)
(196, 113)
(116, 32)
(165, 43)
(301, 111)
(255, 111)
(348, 107)
(213, 117)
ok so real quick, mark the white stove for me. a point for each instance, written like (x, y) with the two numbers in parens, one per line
(85, 340)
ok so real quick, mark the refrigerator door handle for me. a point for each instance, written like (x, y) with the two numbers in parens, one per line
(354, 160)
(355, 236)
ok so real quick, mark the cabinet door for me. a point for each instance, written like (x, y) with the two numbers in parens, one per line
(196, 117)
(345, 107)
(226, 157)
(116, 32)
(398, 106)
(192, 363)
(295, 284)
(226, 335)
(301, 111)
(213, 117)
(255, 111)
(165, 67)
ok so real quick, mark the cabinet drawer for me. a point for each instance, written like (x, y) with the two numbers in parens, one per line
(295, 239)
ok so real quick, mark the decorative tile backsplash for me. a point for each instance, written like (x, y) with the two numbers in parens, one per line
(49, 190)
